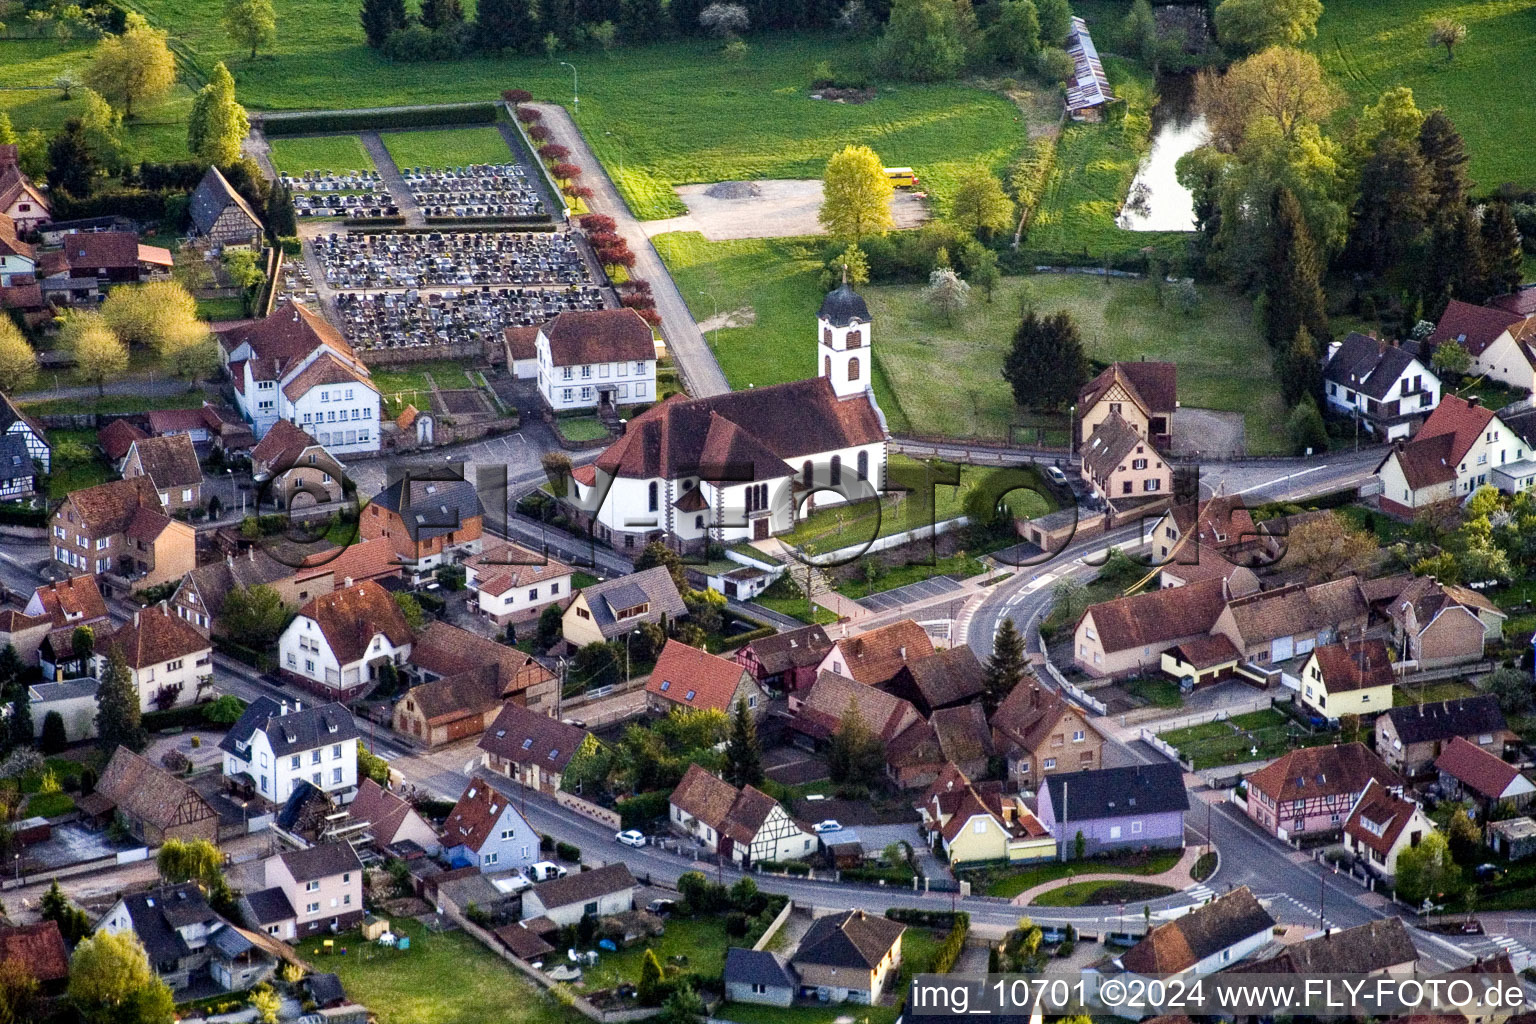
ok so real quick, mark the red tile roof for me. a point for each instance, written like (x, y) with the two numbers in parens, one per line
(1475, 327)
(168, 461)
(114, 250)
(823, 706)
(1158, 615)
(1354, 666)
(1320, 771)
(473, 818)
(1154, 384)
(282, 446)
(692, 678)
(501, 566)
(38, 947)
(327, 369)
(351, 617)
(153, 637)
(522, 343)
(71, 602)
(1379, 817)
(598, 336)
(875, 656)
(1477, 769)
(116, 437)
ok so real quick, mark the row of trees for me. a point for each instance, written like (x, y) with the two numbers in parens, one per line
(934, 40)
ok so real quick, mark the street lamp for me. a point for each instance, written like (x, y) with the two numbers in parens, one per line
(627, 636)
(575, 93)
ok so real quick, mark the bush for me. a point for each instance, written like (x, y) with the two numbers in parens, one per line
(517, 95)
(926, 918)
(546, 844)
(735, 924)
(565, 851)
(15, 513)
(188, 717)
(788, 867)
(644, 810)
(361, 120)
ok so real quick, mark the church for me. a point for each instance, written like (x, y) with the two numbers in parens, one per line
(745, 465)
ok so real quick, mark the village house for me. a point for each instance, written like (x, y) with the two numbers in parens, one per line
(1121, 464)
(484, 830)
(89, 263)
(18, 478)
(1383, 386)
(26, 634)
(1513, 838)
(786, 662)
(744, 465)
(121, 527)
(61, 607)
(1436, 624)
(169, 662)
(203, 425)
(1348, 679)
(746, 825)
(944, 679)
(1498, 340)
(607, 610)
(222, 216)
(1381, 825)
(848, 957)
(390, 818)
(294, 366)
(1208, 939)
(1133, 808)
(18, 259)
(878, 655)
(759, 976)
(512, 584)
(1461, 447)
(311, 891)
(294, 470)
(15, 423)
(463, 681)
(1468, 771)
(530, 747)
(1273, 626)
(1310, 791)
(273, 747)
(1409, 738)
(1189, 531)
(601, 358)
(522, 352)
(964, 738)
(1201, 661)
(39, 949)
(154, 803)
(21, 202)
(686, 677)
(74, 700)
(1128, 635)
(600, 892)
(360, 562)
(1375, 948)
(116, 438)
(429, 522)
(1038, 732)
(337, 643)
(975, 824)
(170, 464)
(199, 598)
(1144, 394)
(185, 941)
(913, 757)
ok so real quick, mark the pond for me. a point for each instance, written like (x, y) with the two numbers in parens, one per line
(1156, 200)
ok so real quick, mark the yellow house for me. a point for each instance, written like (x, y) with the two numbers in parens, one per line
(1348, 679)
(979, 825)
(1205, 659)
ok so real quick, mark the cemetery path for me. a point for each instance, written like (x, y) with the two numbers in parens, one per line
(700, 372)
(393, 180)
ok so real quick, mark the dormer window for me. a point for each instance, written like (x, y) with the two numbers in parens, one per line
(690, 694)
(528, 744)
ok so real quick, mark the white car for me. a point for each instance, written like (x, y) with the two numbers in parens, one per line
(1056, 475)
(830, 825)
(631, 837)
(544, 870)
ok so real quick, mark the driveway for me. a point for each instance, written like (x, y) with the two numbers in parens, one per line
(877, 837)
(770, 208)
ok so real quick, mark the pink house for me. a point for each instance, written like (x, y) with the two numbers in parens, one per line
(1311, 790)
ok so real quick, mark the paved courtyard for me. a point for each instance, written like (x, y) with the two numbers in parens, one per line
(771, 208)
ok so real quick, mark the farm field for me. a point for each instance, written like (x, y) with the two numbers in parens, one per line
(450, 147)
(320, 153)
(1223, 362)
(1488, 90)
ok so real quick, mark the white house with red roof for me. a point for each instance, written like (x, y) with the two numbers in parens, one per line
(1467, 770)
(1381, 825)
(745, 465)
(20, 200)
(1461, 447)
(1502, 343)
(513, 584)
(686, 677)
(294, 366)
(592, 358)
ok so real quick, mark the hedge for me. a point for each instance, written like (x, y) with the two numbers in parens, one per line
(640, 811)
(262, 661)
(188, 717)
(742, 639)
(372, 222)
(788, 867)
(890, 876)
(566, 851)
(926, 918)
(953, 944)
(18, 514)
(529, 222)
(369, 120)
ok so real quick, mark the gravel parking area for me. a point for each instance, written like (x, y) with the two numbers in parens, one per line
(771, 208)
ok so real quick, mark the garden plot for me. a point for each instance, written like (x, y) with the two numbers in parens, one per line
(772, 208)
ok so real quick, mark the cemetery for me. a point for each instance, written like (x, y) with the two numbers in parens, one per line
(369, 260)
(478, 191)
(458, 319)
(354, 194)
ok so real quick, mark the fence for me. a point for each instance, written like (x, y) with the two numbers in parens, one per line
(1077, 693)
(586, 809)
(895, 540)
(774, 926)
(1219, 715)
(1168, 750)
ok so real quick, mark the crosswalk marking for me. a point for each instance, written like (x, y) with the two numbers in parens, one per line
(1199, 893)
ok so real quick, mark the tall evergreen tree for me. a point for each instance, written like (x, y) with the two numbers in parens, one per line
(1294, 294)
(1005, 667)
(1299, 367)
(381, 19)
(1502, 256)
(118, 721)
(685, 16)
(743, 752)
(507, 25)
(855, 755)
(20, 696)
(1392, 207)
(641, 21)
(1046, 365)
(72, 165)
(1446, 156)
(436, 14)
(1450, 261)
(281, 220)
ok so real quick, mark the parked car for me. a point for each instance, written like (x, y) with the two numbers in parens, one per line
(631, 837)
(830, 825)
(544, 870)
(1056, 475)
(661, 907)
(515, 882)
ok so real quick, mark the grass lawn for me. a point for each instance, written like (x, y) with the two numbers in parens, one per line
(1495, 394)
(701, 939)
(925, 502)
(446, 978)
(320, 153)
(960, 566)
(1014, 881)
(1094, 167)
(70, 475)
(581, 579)
(191, 399)
(446, 373)
(1488, 90)
(451, 147)
(1223, 362)
(1216, 744)
(220, 309)
(48, 805)
(1162, 693)
(1100, 893)
(1429, 693)
(581, 428)
(157, 131)
(789, 599)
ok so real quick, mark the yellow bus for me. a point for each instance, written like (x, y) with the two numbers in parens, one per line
(902, 177)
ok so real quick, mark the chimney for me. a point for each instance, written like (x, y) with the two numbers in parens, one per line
(346, 583)
(902, 653)
(283, 708)
(1474, 401)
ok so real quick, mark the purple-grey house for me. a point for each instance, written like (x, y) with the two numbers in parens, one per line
(1116, 808)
